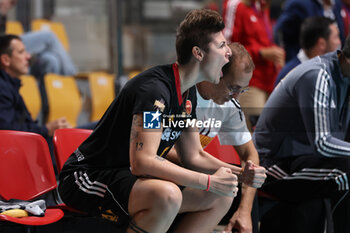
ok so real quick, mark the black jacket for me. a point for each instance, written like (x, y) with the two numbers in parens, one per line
(13, 111)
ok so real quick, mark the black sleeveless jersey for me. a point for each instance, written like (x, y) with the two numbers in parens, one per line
(153, 92)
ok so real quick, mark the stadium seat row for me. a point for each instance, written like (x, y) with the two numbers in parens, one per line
(15, 27)
(64, 98)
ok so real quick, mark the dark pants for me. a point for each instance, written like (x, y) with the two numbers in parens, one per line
(310, 189)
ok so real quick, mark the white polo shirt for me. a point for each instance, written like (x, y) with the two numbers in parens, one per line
(233, 130)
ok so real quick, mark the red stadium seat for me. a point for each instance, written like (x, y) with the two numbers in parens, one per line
(65, 142)
(26, 172)
(226, 153)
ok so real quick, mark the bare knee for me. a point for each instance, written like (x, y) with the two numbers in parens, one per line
(222, 203)
(167, 198)
(153, 204)
(155, 197)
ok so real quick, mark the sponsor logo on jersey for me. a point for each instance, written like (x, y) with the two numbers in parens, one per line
(151, 120)
(159, 105)
(79, 155)
(169, 134)
(188, 107)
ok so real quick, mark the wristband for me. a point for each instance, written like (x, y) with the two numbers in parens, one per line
(208, 184)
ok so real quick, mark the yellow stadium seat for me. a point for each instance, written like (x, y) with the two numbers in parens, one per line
(63, 97)
(102, 93)
(37, 24)
(31, 95)
(56, 27)
(14, 27)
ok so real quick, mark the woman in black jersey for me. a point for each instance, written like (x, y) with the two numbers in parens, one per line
(122, 170)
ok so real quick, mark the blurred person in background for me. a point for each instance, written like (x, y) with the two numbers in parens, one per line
(287, 29)
(318, 35)
(248, 22)
(302, 137)
(14, 115)
(48, 52)
(14, 62)
(345, 13)
(51, 57)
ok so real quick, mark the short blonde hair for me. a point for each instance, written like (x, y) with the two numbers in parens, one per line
(239, 53)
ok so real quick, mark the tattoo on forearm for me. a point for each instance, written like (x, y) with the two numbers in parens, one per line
(159, 158)
(139, 146)
(133, 134)
(135, 125)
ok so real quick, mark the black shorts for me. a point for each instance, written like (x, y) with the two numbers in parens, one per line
(103, 193)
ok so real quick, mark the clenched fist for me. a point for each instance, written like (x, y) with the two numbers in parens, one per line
(253, 175)
(224, 183)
